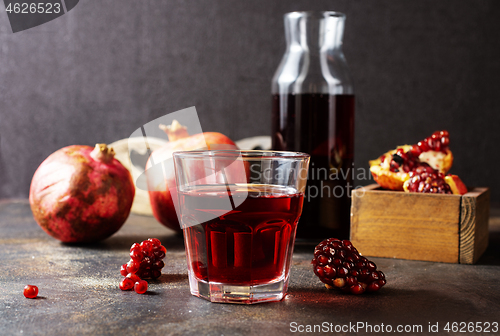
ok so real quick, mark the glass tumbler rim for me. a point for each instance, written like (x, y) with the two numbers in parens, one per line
(318, 14)
(244, 153)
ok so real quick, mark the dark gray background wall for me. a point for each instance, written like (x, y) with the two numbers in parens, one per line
(101, 71)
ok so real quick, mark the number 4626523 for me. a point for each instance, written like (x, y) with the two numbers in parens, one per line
(32, 8)
(484, 327)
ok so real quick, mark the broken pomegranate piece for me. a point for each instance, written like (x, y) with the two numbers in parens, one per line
(392, 169)
(434, 183)
(338, 264)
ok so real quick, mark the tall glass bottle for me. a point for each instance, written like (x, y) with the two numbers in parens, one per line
(313, 112)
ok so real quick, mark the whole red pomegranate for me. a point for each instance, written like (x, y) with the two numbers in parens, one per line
(81, 194)
(161, 197)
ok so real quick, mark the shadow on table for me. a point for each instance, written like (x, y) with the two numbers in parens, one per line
(171, 278)
(492, 254)
(390, 305)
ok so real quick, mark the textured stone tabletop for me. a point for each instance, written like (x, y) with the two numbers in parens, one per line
(79, 292)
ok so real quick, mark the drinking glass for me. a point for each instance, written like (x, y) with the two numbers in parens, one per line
(239, 212)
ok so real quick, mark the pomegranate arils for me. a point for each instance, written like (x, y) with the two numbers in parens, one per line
(339, 282)
(159, 264)
(141, 287)
(408, 161)
(123, 270)
(357, 289)
(133, 277)
(146, 247)
(146, 262)
(133, 266)
(155, 274)
(348, 271)
(30, 291)
(373, 287)
(428, 182)
(126, 284)
(159, 254)
(136, 254)
(154, 241)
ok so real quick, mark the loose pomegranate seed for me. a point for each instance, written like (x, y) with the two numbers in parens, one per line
(348, 271)
(126, 284)
(141, 287)
(30, 291)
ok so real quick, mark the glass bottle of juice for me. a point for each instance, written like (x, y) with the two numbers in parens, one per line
(313, 112)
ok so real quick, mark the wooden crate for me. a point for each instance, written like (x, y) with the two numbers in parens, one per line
(442, 228)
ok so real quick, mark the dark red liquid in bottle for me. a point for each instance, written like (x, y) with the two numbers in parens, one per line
(250, 244)
(321, 125)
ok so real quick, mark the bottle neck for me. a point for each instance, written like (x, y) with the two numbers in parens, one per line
(314, 32)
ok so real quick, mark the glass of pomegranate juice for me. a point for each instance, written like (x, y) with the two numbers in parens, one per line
(239, 212)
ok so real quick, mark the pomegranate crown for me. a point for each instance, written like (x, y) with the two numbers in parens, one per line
(103, 153)
(175, 131)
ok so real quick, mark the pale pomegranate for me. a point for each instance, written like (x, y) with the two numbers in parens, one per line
(162, 198)
(392, 169)
(81, 194)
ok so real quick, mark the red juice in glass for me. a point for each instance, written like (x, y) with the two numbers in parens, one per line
(246, 235)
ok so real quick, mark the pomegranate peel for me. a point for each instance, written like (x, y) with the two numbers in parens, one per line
(383, 176)
(456, 184)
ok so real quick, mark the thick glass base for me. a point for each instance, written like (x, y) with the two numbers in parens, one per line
(226, 293)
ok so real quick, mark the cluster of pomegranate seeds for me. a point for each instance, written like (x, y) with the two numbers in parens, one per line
(408, 161)
(338, 264)
(30, 291)
(430, 182)
(146, 261)
(438, 141)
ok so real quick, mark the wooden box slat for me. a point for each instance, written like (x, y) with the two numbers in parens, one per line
(474, 216)
(442, 228)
